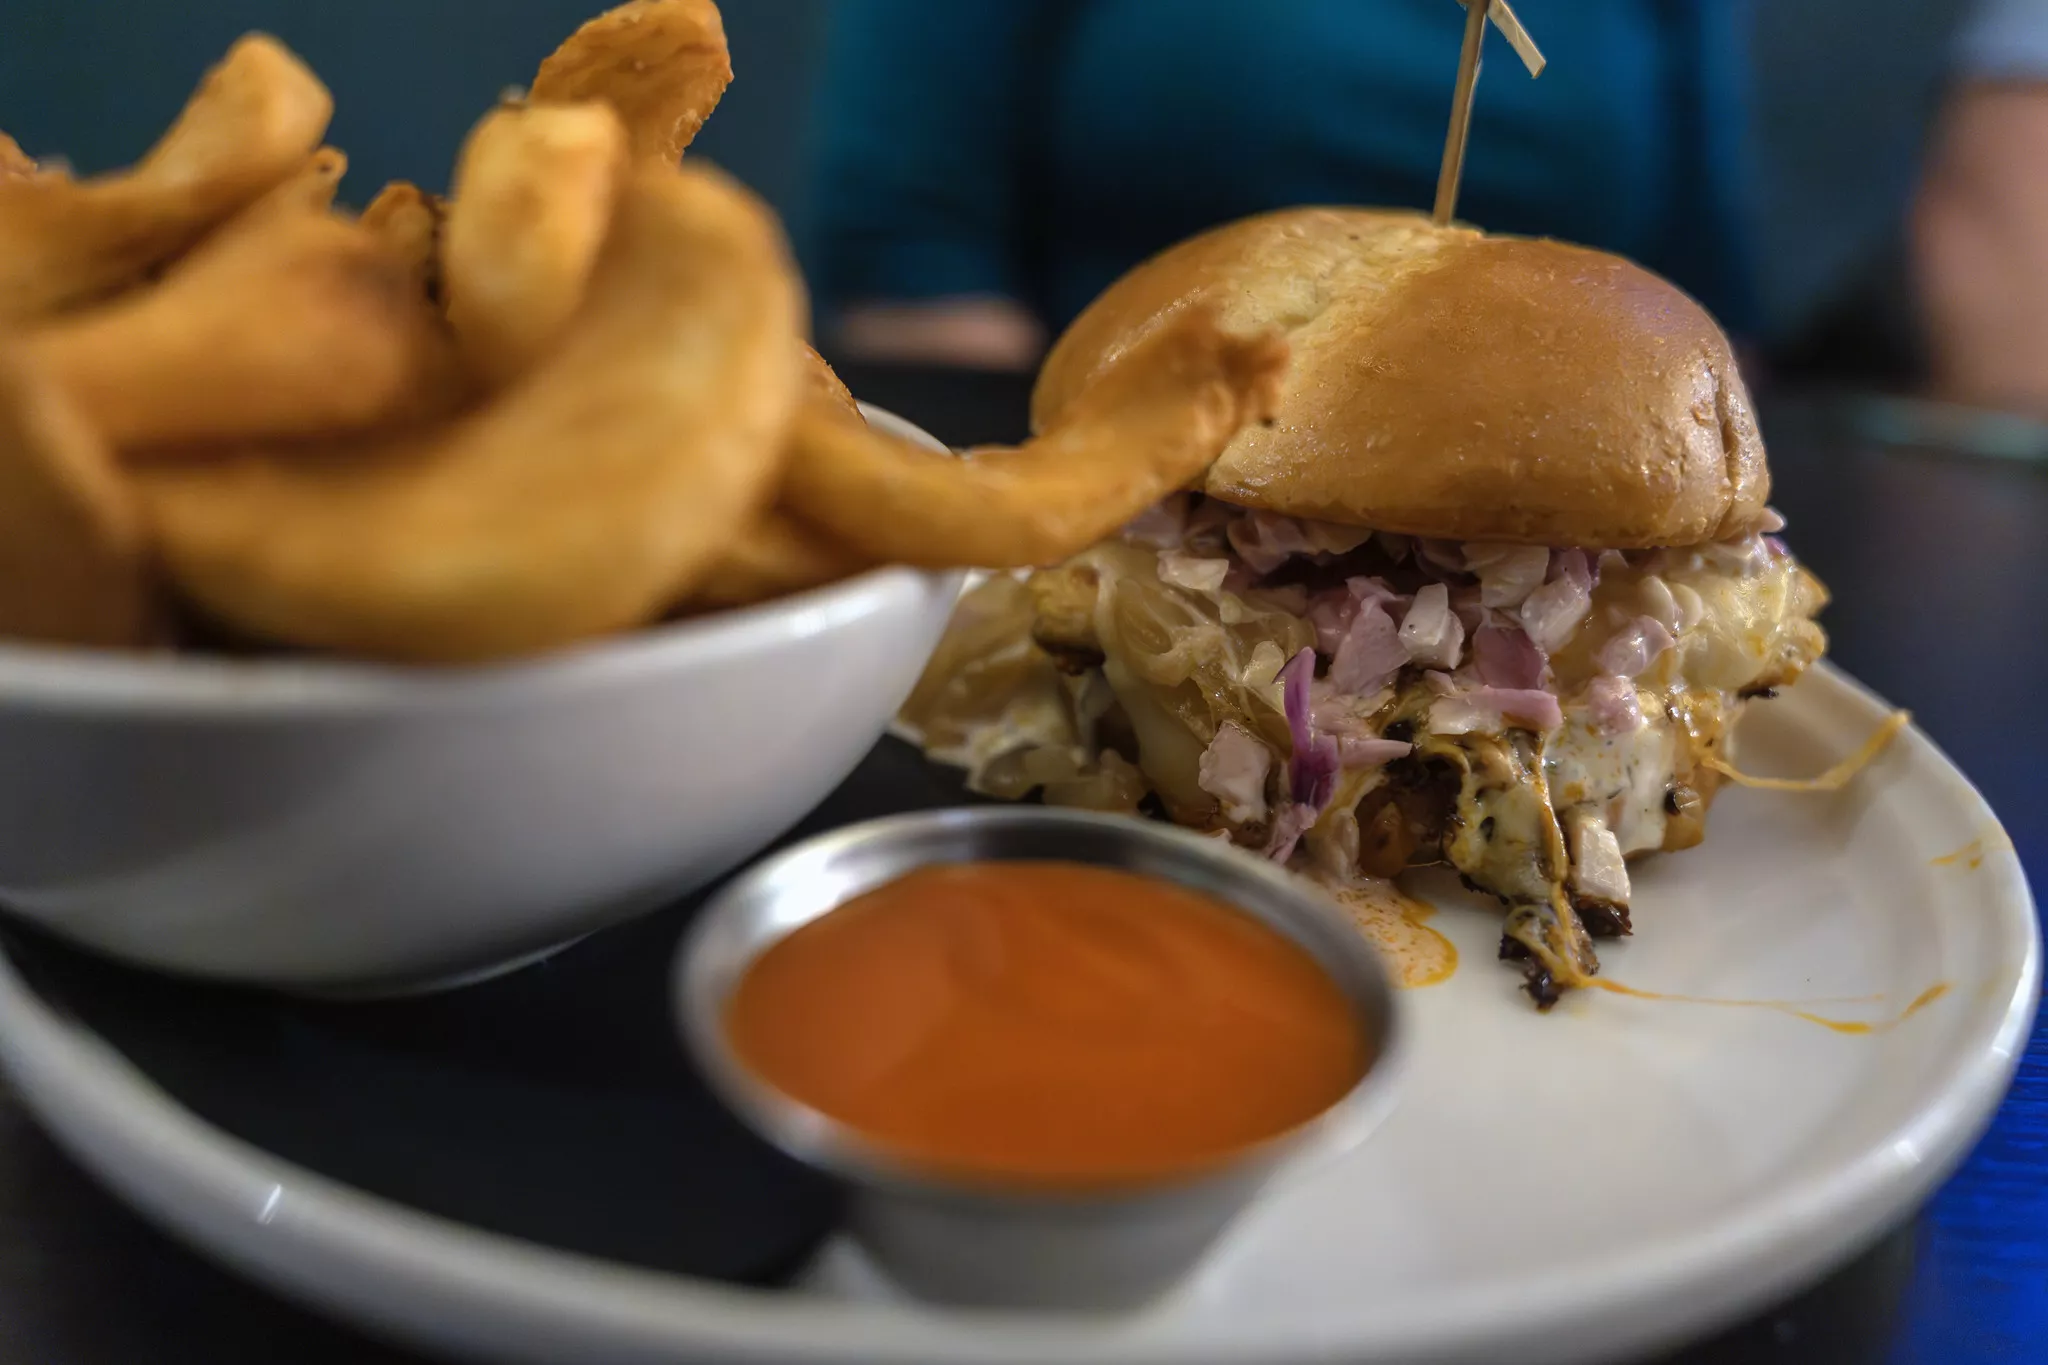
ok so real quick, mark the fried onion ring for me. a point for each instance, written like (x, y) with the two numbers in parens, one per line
(72, 563)
(254, 120)
(822, 384)
(309, 189)
(411, 223)
(293, 323)
(1150, 426)
(776, 555)
(662, 65)
(533, 198)
(780, 553)
(15, 164)
(585, 499)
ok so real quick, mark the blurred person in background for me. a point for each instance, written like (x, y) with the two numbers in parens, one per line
(984, 169)
(1980, 226)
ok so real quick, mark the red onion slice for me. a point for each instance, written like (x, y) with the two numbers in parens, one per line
(1507, 573)
(1312, 771)
(1266, 540)
(1552, 612)
(1233, 770)
(1291, 822)
(1613, 705)
(1370, 653)
(1162, 527)
(1371, 752)
(1488, 709)
(1506, 657)
(1431, 632)
(1191, 572)
(1634, 648)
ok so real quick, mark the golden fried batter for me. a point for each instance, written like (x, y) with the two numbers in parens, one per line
(295, 323)
(822, 384)
(252, 123)
(309, 189)
(72, 564)
(533, 198)
(586, 498)
(1145, 429)
(662, 64)
(776, 555)
(411, 224)
(15, 164)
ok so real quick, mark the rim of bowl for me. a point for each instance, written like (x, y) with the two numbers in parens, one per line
(60, 678)
(840, 1150)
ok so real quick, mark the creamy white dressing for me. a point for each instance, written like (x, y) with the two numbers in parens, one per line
(1624, 778)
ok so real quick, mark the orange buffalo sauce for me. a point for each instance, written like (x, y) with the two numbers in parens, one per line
(1048, 1023)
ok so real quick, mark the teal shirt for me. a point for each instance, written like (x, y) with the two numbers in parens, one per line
(1040, 148)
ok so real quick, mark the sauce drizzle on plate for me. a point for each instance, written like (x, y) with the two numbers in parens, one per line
(1971, 853)
(1398, 925)
(1795, 1008)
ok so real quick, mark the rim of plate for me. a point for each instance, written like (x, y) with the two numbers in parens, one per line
(441, 1282)
(77, 680)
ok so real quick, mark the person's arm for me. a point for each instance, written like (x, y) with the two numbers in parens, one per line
(1980, 229)
(921, 126)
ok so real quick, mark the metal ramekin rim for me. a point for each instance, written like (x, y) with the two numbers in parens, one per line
(831, 1146)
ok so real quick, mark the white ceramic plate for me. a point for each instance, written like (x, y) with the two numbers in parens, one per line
(1621, 1174)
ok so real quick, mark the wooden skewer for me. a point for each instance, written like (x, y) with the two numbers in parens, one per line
(1453, 170)
(1510, 27)
(1518, 37)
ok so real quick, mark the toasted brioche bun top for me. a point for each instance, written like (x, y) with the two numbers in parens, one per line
(1451, 384)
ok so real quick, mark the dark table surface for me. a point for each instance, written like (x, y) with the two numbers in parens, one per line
(1939, 564)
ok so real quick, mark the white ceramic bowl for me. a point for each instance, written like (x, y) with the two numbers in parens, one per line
(341, 827)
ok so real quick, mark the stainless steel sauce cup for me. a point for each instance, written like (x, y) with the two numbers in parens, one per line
(987, 1243)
